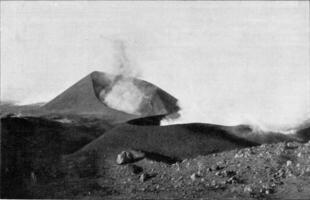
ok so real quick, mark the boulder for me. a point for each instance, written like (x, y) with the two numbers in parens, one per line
(129, 156)
(124, 157)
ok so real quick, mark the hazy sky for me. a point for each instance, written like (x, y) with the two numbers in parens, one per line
(227, 62)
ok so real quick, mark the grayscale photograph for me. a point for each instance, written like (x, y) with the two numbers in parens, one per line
(155, 100)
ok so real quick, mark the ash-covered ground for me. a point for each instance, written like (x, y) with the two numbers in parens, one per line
(43, 157)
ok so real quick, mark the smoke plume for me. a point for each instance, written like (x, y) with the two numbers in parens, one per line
(123, 65)
(124, 96)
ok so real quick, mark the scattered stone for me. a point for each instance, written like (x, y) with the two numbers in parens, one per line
(213, 183)
(216, 167)
(291, 145)
(33, 178)
(143, 177)
(179, 179)
(266, 190)
(238, 155)
(281, 173)
(229, 173)
(218, 173)
(233, 180)
(177, 166)
(194, 176)
(288, 163)
(248, 189)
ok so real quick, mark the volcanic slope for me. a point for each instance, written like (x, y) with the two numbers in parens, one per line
(165, 143)
(116, 98)
(176, 142)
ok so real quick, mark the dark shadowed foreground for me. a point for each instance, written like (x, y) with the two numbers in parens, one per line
(75, 157)
(31, 150)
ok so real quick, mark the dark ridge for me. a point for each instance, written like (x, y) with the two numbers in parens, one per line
(217, 131)
(304, 134)
(244, 128)
(147, 121)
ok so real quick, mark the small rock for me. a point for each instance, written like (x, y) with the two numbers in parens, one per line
(267, 190)
(218, 173)
(213, 183)
(291, 145)
(232, 180)
(33, 178)
(229, 173)
(248, 189)
(177, 166)
(194, 176)
(143, 177)
(288, 163)
(239, 155)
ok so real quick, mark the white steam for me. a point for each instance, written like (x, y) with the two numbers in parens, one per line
(123, 63)
(124, 96)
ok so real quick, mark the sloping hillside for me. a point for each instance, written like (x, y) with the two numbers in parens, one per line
(176, 142)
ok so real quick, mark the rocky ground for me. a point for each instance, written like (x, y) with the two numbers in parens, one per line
(273, 171)
(269, 171)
